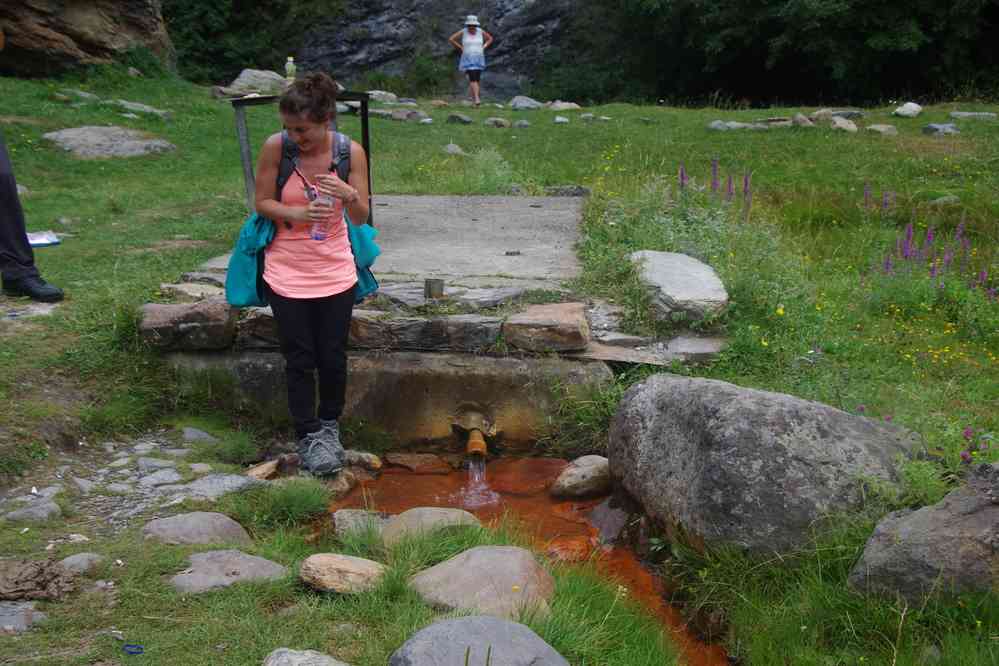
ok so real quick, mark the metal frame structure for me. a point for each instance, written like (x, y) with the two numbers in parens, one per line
(239, 105)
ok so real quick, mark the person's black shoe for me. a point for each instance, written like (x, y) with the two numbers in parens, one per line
(34, 288)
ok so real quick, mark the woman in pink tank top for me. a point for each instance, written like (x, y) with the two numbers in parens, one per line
(308, 267)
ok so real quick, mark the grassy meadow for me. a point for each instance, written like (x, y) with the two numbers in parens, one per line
(817, 311)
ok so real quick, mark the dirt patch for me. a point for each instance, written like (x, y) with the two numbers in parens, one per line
(23, 120)
(167, 245)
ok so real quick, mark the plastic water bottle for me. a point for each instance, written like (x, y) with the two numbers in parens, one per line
(289, 70)
(318, 231)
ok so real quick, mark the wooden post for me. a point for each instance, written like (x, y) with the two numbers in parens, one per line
(249, 180)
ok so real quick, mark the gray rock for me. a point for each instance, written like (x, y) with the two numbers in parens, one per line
(496, 122)
(22, 191)
(521, 124)
(886, 130)
(843, 124)
(287, 657)
(849, 114)
(18, 616)
(205, 277)
(604, 119)
(135, 107)
(38, 511)
(209, 324)
(587, 476)
(972, 115)
(380, 113)
(454, 149)
(908, 110)
(718, 125)
(949, 548)
(550, 327)
(222, 568)
(343, 108)
(426, 121)
(92, 142)
(948, 200)
(503, 581)
(561, 120)
(730, 466)
(260, 81)
(680, 284)
(188, 292)
(559, 105)
(198, 527)
(176, 453)
(201, 468)
(801, 120)
(423, 520)
(147, 465)
(450, 642)
(362, 459)
(145, 447)
(215, 486)
(587, 117)
(85, 486)
(346, 521)
(120, 488)
(120, 462)
(524, 103)
(80, 95)
(192, 435)
(941, 129)
(567, 191)
(459, 118)
(160, 478)
(82, 563)
(134, 73)
(609, 519)
(371, 330)
(383, 96)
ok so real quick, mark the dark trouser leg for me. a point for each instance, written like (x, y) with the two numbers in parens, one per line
(16, 258)
(331, 347)
(296, 322)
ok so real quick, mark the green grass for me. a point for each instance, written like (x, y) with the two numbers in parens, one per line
(801, 321)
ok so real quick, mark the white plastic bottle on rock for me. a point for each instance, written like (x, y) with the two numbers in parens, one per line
(289, 71)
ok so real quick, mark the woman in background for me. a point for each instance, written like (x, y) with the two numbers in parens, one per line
(472, 41)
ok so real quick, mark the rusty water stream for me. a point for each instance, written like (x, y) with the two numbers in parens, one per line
(518, 488)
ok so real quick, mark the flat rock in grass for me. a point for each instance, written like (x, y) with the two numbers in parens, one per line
(343, 574)
(459, 118)
(82, 563)
(418, 463)
(92, 142)
(120, 462)
(496, 122)
(454, 149)
(766, 466)
(222, 568)
(475, 640)
(559, 105)
(887, 130)
(214, 486)
(192, 291)
(162, 477)
(941, 129)
(588, 476)
(346, 521)
(198, 527)
(439, 103)
(801, 120)
(214, 279)
(401, 115)
(203, 325)
(567, 191)
(176, 453)
(521, 124)
(973, 115)
(147, 465)
(38, 511)
(136, 107)
(503, 581)
(422, 520)
(22, 580)
(908, 110)
(194, 435)
(948, 200)
(380, 113)
(525, 103)
(680, 284)
(18, 616)
(119, 488)
(201, 468)
(288, 657)
(264, 471)
(81, 95)
(551, 327)
(383, 96)
(947, 548)
(843, 124)
(85, 486)
(561, 120)
(849, 114)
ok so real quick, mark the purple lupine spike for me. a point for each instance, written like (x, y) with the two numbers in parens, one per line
(714, 175)
(929, 237)
(888, 266)
(948, 257)
(991, 293)
(907, 250)
(867, 195)
(730, 188)
(891, 201)
(884, 201)
(683, 176)
(933, 270)
(747, 184)
(959, 232)
(983, 275)
(748, 206)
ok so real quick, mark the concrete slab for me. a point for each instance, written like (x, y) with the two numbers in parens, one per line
(473, 241)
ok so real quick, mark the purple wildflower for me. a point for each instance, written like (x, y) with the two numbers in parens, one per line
(888, 265)
(983, 275)
(907, 244)
(959, 232)
(948, 258)
(929, 236)
(714, 175)
(992, 294)
(683, 176)
(933, 269)
(968, 433)
(747, 184)
(867, 195)
(884, 201)
(965, 456)
(888, 418)
(730, 189)
(861, 409)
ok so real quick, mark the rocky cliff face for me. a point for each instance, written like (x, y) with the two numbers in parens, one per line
(46, 37)
(387, 35)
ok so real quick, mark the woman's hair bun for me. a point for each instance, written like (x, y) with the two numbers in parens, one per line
(313, 95)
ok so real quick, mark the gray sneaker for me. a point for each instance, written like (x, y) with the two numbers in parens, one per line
(321, 453)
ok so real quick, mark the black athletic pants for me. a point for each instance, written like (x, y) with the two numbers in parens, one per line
(16, 258)
(313, 334)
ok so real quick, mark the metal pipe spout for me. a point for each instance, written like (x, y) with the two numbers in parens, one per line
(476, 445)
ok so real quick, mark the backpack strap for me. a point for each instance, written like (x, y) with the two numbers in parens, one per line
(341, 155)
(289, 153)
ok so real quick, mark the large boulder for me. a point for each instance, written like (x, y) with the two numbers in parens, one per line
(505, 581)
(48, 37)
(723, 465)
(476, 640)
(950, 547)
(524, 103)
(261, 81)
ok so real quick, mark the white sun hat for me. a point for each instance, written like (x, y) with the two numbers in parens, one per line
(472, 19)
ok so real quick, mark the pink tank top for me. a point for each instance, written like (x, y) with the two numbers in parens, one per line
(296, 265)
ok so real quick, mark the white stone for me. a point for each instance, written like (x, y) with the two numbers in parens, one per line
(288, 657)
(886, 130)
(587, 476)
(845, 124)
(383, 96)
(524, 103)
(908, 110)
(561, 120)
(679, 283)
